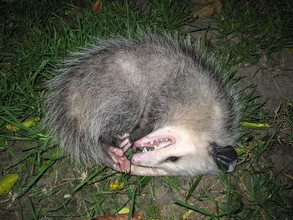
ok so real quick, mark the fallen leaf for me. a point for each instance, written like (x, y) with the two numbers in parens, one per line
(254, 125)
(208, 11)
(7, 182)
(218, 5)
(204, 2)
(27, 123)
(96, 6)
(136, 216)
(187, 214)
(288, 175)
(124, 210)
(205, 12)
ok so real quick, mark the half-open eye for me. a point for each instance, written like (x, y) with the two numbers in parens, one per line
(172, 159)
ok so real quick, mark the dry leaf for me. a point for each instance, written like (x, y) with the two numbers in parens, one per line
(204, 2)
(96, 6)
(209, 10)
(218, 5)
(288, 175)
(205, 12)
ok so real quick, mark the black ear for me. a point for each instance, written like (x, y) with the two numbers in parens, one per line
(225, 157)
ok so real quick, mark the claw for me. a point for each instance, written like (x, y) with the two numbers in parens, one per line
(125, 142)
(124, 136)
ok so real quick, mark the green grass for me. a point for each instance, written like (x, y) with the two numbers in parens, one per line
(37, 34)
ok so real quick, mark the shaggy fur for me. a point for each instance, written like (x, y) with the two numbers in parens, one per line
(147, 88)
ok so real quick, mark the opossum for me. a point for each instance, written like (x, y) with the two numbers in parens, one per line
(168, 101)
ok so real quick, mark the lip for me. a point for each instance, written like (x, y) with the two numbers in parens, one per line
(148, 147)
(154, 143)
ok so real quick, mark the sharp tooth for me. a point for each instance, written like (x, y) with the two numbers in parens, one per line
(144, 150)
(152, 142)
(141, 145)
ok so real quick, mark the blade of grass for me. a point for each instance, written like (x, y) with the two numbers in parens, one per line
(89, 178)
(193, 187)
(192, 207)
(45, 166)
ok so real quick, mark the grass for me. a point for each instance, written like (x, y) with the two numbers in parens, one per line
(36, 35)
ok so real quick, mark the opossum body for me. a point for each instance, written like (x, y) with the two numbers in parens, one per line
(166, 101)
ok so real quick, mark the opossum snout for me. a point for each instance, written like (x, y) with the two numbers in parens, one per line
(172, 151)
(225, 157)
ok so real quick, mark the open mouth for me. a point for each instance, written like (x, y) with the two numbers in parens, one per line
(148, 149)
(153, 143)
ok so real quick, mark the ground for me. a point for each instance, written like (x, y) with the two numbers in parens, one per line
(273, 78)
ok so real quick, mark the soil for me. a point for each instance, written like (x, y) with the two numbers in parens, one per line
(273, 78)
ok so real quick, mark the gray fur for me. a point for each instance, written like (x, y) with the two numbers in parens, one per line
(119, 86)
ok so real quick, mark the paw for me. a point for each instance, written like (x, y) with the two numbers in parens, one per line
(121, 163)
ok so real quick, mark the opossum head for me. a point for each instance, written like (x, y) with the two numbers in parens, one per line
(178, 151)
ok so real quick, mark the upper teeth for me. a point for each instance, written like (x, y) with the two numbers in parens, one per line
(153, 145)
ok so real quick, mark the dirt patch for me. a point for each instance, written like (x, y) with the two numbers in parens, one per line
(273, 78)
